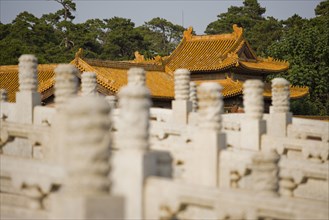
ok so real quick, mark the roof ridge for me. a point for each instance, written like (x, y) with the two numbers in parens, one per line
(236, 34)
(81, 64)
(225, 43)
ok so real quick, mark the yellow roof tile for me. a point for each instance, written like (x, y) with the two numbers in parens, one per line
(217, 53)
(265, 66)
(160, 83)
(295, 91)
(230, 87)
(9, 79)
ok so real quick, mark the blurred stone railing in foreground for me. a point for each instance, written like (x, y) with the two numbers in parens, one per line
(90, 157)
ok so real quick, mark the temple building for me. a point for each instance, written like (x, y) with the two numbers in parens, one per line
(225, 58)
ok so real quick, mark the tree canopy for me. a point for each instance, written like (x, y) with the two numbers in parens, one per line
(55, 38)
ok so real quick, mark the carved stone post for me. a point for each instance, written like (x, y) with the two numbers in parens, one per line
(210, 110)
(280, 95)
(66, 87)
(89, 84)
(193, 96)
(85, 190)
(265, 173)
(28, 65)
(253, 100)
(280, 116)
(133, 162)
(181, 106)
(253, 125)
(3, 98)
(112, 101)
(136, 76)
(133, 128)
(66, 83)
(210, 106)
(3, 95)
(88, 143)
(182, 86)
(27, 97)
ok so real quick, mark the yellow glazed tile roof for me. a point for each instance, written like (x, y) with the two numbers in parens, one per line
(298, 92)
(230, 87)
(160, 83)
(233, 88)
(9, 79)
(295, 92)
(218, 53)
(265, 65)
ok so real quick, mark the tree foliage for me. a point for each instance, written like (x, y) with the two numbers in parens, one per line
(303, 42)
(162, 35)
(55, 38)
(260, 32)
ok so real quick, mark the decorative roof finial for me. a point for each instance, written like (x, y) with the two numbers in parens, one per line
(79, 53)
(138, 57)
(188, 33)
(237, 31)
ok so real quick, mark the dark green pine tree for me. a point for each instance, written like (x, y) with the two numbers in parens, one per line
(258, 30)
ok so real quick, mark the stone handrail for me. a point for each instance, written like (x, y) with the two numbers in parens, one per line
(37, 134)
(178, 200)
(305, 131)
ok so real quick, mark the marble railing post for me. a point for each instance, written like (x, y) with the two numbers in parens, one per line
(88, 84)
(208, 138)
(88, 143)
(193, 96)
(252, 125)
(27, 97)
(280, 116)
(66, 84)
(86, 187)
(133, 162)
(3, 99)
(136, 76)
(66, 87)
(181, 106)
(265, 180)
(210, 106)
(134, 104)
(112, 101)
(3, 95)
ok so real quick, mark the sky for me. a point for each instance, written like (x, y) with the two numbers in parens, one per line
(195, 13)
